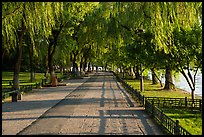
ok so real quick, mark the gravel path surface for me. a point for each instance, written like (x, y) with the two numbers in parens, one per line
(96, 105)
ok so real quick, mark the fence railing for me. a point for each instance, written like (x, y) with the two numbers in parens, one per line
(130, 89)
(16, 94)
(164, 102)
(170, 125)
(152, 105)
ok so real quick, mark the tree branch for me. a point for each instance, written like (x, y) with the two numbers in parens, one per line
(195, 75)
(190, 76)
(157, 77)
(184, 74)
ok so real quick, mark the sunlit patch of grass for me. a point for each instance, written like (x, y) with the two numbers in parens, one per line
(151, 90)
(24, 78)
(191, 121)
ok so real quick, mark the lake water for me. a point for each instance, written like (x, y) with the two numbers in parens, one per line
(180, 82)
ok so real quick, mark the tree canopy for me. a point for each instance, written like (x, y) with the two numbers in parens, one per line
(123, 34)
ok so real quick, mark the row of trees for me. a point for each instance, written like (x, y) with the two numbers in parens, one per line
(135, 35)
(161, 35)
(40, 27)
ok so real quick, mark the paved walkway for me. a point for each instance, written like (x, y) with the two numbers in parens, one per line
(96, 105)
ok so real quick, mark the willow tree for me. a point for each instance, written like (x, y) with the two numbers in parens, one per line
(92, 35)
(160, 18)
(130, 23)
(21, 17)
(108, 34)
(63, 50)
(71, 18)
(47, 19)
(169, 16)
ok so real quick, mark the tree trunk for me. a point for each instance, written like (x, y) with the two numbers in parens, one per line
(18, 56)
(169, 80)
(96, 68)
(75, 66)
(154, 78)
(50, 60)
(106, 66)
(61, 69)
(193, 94)
(132, 73)
(75, 70)
(85, 65)
(89, 67)
(81, 66)
(46, 69)
(30, 52)
(32, 76)
(82, 72)
(123, 71)
(157, 78)
(136, 71)
(51, 50)
(32, 73)
(141, 79)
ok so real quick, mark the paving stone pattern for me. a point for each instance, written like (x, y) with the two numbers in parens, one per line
(91, 106)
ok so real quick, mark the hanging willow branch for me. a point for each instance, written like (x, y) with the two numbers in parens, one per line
(129, 29)
(12, 13)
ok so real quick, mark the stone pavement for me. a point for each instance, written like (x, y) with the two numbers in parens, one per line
(97, 105)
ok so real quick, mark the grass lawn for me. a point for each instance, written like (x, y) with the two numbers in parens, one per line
(192, 122)
(151, 90)
(24, 78)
